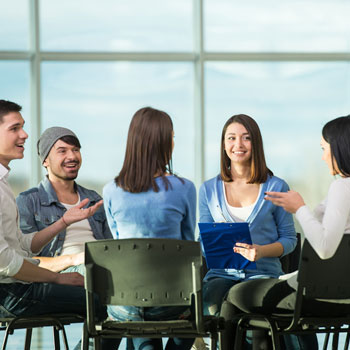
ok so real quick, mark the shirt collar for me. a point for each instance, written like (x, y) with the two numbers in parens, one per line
(4, 172)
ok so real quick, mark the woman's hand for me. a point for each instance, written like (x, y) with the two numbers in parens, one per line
(290, 201)
(77, 213)
(249, 251)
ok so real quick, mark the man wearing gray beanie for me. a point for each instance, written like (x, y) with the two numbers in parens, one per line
(59, 152)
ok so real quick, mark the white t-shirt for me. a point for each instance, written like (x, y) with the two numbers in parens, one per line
(76, 234)
(240, 214)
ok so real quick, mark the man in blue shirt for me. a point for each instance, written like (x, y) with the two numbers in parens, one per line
(39, 207)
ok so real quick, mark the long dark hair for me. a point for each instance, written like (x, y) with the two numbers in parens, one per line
(337, 133)
(148, 151)
(258, 168)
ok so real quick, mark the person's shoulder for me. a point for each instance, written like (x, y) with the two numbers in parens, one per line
(30, 192)
(179, 181)
(276, 180)
(109, 186)
(275, 183)
(92, 194)
(211, 182)
(341, 183)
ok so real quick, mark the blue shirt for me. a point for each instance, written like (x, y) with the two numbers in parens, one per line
(39, 207)
(165, 214)
(268, 223)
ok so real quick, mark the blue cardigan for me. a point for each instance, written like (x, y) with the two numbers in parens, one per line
(165, 214)
(268, 223)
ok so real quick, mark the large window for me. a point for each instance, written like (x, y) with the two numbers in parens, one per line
(97, 101)
(89, 65)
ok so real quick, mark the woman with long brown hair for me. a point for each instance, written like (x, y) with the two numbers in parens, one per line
(146, 200)
(237, 195)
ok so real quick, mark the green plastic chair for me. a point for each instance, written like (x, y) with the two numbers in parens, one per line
(317, 279)
(146, 273)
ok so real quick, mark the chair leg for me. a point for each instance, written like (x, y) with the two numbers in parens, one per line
(346, 345)
(97, 343)
(28, 338)
(7, 333)
(56, 338)
(240, 335)
(335, 341)
(213, 341)
(276, 344)
(65, 340)
(85, 338)
(325, 342)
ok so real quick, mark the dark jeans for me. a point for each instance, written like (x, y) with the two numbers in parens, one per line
(45, 298)
(267, 296)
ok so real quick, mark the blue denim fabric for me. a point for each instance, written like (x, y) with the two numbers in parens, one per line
(133, 313)
(214, 292)
(76, 268)
(43, 298)
(39, 207)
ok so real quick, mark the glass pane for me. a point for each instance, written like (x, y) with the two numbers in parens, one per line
(291, 102)
(110, 25)
(15, 87)
(274, 25)
(14, 28)
(98, 100)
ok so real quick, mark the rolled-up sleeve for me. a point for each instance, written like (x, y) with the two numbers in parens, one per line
(10, 260)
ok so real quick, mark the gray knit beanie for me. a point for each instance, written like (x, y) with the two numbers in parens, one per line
(49, 138)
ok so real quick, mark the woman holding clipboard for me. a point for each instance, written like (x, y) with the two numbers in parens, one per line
(323, 228)
(146, 200)
(237, 195)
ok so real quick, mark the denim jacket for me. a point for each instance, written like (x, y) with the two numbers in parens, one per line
(39, 207)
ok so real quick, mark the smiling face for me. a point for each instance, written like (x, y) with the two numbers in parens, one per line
(327, 157)
(12, 138)
(237, 142)
(63, 161)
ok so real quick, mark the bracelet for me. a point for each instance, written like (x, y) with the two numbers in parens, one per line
(64, 221)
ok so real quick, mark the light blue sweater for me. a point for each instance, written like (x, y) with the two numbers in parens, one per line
(268, 223)
(163, 214)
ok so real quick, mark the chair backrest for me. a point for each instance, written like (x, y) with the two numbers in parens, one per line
(143, 272)
(290, 262)
(328, 278)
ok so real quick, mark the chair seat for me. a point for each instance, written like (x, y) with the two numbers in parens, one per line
(282, 322)
(154, 328)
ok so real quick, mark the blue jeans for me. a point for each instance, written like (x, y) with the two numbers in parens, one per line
(133, 313)
(214, 291)
(44, 298)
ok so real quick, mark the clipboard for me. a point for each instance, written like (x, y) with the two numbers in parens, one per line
(218, 240)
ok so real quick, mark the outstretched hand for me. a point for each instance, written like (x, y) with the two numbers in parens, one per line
(290, 201)
(78, 212)
(250, 251)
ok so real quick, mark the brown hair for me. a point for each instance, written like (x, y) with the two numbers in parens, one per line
(258, 169)
(148, 151)
(7, 107)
